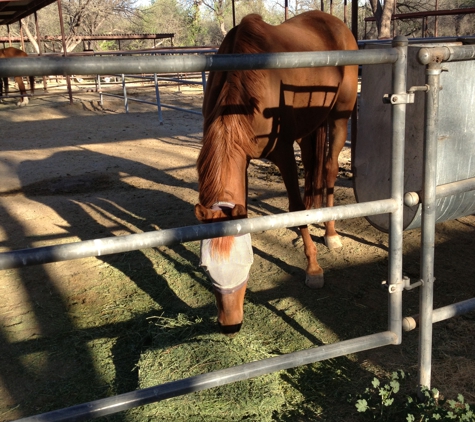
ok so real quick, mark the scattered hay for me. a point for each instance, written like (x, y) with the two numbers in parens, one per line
(183, 347)
(186, 345)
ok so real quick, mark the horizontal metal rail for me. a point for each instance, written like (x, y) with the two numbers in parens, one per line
(137, 100)
(154, 51)
(442, 191)
(16, 96)
(468, 39)
(183, 81)
(242, 372)
(185, 110)
(157, 101)
(39, 66)
(441, 314)
(126, 243)
(446, 54)
(159, 78)
(106, 94)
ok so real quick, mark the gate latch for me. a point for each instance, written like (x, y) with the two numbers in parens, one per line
(404, 98)
(404, 284)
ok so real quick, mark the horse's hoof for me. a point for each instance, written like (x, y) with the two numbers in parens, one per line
(314, 281)
(333, 242)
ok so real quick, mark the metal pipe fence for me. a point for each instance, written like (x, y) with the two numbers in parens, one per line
(394, 205)
(110, 405)
(154, 78)
(125, 78)
(441, 314)
(170, 237)
(42, 66)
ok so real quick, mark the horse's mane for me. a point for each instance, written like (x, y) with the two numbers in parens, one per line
(228, 132)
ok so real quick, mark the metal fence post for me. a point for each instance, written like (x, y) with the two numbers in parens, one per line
(101, 98)
(203, 80)
(395, 280)
(124, 90)
(157, 96)
(428, 222)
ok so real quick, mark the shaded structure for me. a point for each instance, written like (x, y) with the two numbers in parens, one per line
(98, 37)
(13, 11)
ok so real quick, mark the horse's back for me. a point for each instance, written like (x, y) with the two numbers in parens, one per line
(309, 31)
(282, 103)
(10, 52)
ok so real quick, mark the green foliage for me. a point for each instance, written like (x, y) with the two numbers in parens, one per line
(381, 402)
(108, 45)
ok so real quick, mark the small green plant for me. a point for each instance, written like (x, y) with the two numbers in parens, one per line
(381, 402)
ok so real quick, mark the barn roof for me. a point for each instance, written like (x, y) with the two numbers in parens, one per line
(14, 10)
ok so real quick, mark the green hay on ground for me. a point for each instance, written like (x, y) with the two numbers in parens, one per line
(185, 347)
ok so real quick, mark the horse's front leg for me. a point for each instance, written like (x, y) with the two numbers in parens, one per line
(284, 159)
(338, 131)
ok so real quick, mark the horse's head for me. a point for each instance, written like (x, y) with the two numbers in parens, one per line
(227, 262)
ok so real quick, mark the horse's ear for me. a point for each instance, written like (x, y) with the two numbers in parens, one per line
(202, 213)
(239, 211)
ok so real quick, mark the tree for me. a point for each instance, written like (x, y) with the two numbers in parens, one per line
(383, 13)
(218, 8)
(163, 16)
(81, 17)
(454, 25)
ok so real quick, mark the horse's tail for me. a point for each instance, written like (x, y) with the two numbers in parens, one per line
(315, 171)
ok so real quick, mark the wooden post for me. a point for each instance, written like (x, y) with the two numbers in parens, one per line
(22, 41)
(354, 19)
(436, 26)
(234, 15)
(65, 53)
(38, 40)
(9, 36)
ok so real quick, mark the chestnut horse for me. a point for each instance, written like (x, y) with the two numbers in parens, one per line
(260, 114)
(11, 52)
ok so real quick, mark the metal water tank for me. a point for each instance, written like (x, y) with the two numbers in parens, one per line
(456, 137)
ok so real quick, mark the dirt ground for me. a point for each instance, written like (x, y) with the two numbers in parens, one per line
(81, 171)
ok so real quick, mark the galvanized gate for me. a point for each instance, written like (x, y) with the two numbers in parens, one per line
(393, 205)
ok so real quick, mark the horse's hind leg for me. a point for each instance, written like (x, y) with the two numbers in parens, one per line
(338, 129)
(32, 84)
(3, 84)
(21, 86)
(283, 157)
